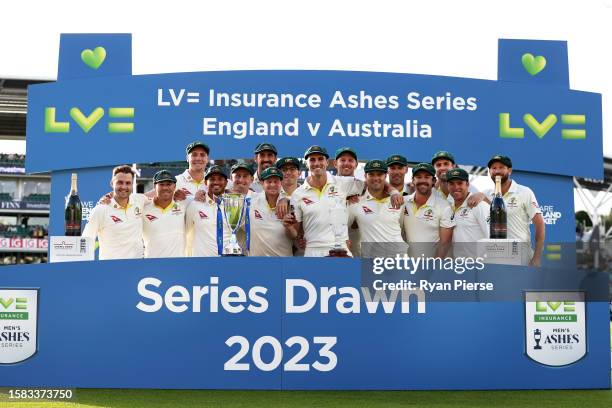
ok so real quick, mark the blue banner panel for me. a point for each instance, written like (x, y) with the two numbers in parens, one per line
(279, 324)
(151, 118)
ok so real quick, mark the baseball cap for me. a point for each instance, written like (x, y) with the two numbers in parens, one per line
(505, 160)
(288, 160)
(215, 169)
(424, 167)
(348, 150)
(458, 174)
(244, 166)
(163, 175)
(195, 144)
(265, 146)
(397, 159)
(316, 150)
(270, 172)
(375, 165)
(442, 154)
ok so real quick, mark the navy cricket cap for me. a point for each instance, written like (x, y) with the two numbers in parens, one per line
(442, 154)
(424, 167)
(505, 160)
(265, 146)
(270, 172)
(163, 175)
(348, 150)
(375, 165)
(243, 166)
(215, 169)
(397, 159)
(195, 144)
(316, 150)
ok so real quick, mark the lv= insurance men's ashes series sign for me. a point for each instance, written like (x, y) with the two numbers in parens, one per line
(306, 323)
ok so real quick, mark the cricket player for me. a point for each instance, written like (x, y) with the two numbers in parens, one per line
(379, 223)
(522, 209)
(470, 222)
(397, 167)
(318, 196)
(264, 156)
(192, 179)
(346, 164)
(290, 168)
(270, 236)
(118, 225)
(443, 161)
(164, 220)
(428, 218)
(201, 217)
(242, 178)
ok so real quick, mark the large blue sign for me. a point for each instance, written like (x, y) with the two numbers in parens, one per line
(286, 324)
(150, 118)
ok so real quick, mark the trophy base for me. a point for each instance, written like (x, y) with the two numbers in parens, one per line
(338, 253)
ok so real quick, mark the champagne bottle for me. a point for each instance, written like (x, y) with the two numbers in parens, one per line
(498, 225)
(74, 210)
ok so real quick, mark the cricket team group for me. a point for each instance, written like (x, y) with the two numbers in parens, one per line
(436, 213)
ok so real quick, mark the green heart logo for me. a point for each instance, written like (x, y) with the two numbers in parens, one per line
(532, 64)
(93, 59)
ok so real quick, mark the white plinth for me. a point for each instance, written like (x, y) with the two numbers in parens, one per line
(71, 249)
(501, 251)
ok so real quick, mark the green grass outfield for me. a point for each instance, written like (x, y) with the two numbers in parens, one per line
(353, 399)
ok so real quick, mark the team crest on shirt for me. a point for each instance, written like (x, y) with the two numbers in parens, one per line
(428, 214)
(464, 212)
(150, 217)
(202, 215)
(137, 211)
(512, 202)
(307, 201)
(258, 215)
(367, 210)
(332, 192)
(176, 208)
(116, 219)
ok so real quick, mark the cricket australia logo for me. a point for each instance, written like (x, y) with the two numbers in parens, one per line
(18, 324)
(555, 327)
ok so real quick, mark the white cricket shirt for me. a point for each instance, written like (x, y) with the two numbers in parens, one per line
(118, 229)
(164, 230)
